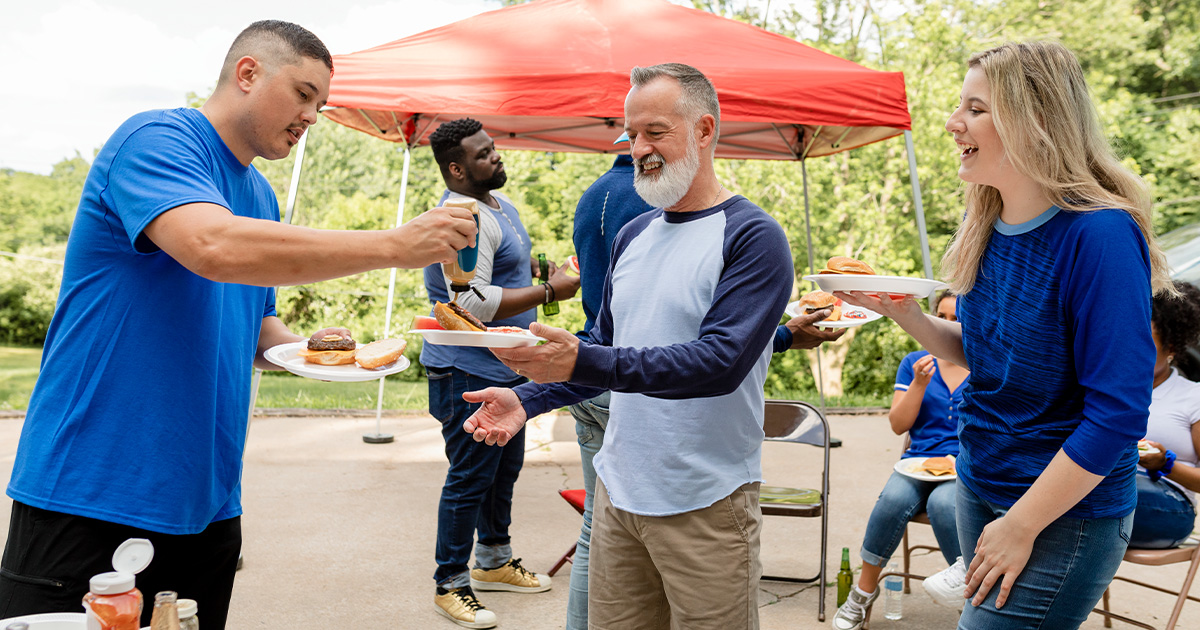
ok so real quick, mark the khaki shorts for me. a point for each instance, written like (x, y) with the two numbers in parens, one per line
(696, 571)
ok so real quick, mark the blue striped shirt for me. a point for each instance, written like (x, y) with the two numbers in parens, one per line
(1056, 333)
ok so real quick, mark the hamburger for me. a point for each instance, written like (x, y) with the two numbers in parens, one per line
(819, 300)
(937, 466)
(454, 317)
(847, 265)
(329, 349)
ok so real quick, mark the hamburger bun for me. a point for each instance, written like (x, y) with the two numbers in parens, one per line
(938, 466)
(380, 353)
(847, 265)
(818, 300)
(454, 317)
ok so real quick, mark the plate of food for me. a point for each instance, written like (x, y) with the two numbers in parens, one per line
(340, 359)
(1144, 448)
(842, 273)
(928, 468)
(843, 315)
(453, 325)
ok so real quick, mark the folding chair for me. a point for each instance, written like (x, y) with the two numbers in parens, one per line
(799, 423)
(1157, 557)
(575, 499)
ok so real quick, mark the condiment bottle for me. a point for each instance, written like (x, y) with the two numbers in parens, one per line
(166, 611)
(113, 602)
(187, 615)
(462, 270)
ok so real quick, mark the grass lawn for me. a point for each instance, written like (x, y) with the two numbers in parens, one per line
(18, 373)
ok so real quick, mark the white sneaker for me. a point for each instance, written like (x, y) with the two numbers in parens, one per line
(946, 586)
(850, 616)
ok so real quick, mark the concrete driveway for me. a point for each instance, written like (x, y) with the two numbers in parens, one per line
(339, 533)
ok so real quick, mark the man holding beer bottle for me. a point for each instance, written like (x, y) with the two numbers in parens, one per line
(477, 495)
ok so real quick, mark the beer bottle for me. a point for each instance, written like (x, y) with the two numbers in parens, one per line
(845, 578)
(550, 308)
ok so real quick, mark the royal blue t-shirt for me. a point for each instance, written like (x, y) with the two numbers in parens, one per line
(139, 412)
(935, 431)
(1056, 333)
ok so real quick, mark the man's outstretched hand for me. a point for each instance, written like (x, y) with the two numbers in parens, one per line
(499, 418)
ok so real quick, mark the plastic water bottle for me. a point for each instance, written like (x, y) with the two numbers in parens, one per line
(893, 590)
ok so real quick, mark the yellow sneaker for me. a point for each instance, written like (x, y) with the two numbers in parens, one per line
(510, 576)
(461, 607)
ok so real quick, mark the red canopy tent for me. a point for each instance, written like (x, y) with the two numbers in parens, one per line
(552, 75)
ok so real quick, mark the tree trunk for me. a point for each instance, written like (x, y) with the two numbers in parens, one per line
(833, 359)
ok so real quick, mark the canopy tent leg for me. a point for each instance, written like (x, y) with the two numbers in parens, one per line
(378, 437)
(297, 168)
(916, 188)
(811, 270)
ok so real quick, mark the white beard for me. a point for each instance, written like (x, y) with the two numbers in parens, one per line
(673, 181)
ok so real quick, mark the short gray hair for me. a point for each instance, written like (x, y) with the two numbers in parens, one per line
(699, 95)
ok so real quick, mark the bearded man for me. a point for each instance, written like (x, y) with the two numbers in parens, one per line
(683, 338)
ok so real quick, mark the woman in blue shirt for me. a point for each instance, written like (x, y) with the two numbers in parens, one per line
(928, 393)
(1054, 264)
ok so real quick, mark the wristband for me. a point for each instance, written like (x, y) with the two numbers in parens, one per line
(551, 296)
(1166, 468)
(546, 300)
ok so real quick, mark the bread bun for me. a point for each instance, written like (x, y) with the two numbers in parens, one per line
(454, 317)
(380, 353)
(847, 265)
(938, 466)
(327, 357)
(818, 300)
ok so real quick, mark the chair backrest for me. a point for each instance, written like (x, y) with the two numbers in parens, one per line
(795, 421)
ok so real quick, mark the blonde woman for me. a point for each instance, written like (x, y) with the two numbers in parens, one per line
(1055, 265)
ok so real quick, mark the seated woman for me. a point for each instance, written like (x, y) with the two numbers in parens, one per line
(1166, 479)
(925, 405)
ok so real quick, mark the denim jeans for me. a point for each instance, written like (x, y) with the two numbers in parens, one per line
(591, 419)
(1164, 517)
(1072, 562)
(477, 495)
(901, 499)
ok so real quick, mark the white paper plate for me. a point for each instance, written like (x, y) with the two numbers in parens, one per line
(852, 316)
(50, 621)
(894, 285)
(476, 339)
(905, 467)
(287, 357)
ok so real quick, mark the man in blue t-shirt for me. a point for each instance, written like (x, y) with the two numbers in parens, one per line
(477, 495)
(137, 423)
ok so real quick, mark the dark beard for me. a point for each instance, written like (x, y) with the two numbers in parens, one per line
(494, 182)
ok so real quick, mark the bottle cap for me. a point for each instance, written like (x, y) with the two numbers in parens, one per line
(133, 556)
(187, 608)
(111, 583)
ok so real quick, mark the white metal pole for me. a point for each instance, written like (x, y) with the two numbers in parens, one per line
(916, 189)
(808, 229)
(378, 437)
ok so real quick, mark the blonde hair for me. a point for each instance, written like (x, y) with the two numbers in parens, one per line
(1051, 133)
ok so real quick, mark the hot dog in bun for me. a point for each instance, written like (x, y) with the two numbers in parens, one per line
(454, 317)
(818, 300)
(329, 349)
(847, 265)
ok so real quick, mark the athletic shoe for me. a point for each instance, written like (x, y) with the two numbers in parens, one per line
(510, 576)
(946, 586)
(461, 607)
(850, 616)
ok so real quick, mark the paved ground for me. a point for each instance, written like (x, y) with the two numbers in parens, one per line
(339, 533)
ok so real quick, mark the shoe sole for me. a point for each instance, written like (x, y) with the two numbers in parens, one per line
(511, 588)
(465, 624)
(946, 601)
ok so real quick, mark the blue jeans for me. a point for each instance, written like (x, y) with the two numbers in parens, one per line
(1072, 562)
(591, 419)
(901, 499)
(477, 495)
(1164, 517)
